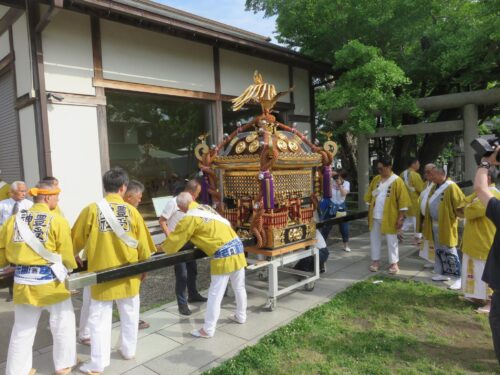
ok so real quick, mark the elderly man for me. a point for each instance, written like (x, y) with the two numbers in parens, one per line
(478, 236)
(212, 234)
(441, 225)
(185, 273)
(113, 234)
(17, 201)
(414, 186)
(388, 201)
(427, 247)
(39, 243)
(4, 189)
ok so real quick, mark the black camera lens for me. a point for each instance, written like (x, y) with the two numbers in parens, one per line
(336, 177)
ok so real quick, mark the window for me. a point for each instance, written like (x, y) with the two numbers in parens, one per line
(153, 138)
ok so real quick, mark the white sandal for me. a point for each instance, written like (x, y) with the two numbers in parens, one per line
(197, 333)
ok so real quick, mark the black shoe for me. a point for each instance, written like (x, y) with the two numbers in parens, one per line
(184, 310)
(197, 298)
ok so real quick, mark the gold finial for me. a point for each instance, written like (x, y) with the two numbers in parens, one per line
(203, 137)
(328, 134)
(259, 92)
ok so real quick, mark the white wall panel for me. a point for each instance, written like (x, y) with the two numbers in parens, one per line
(3, 10)
(74, 143)
(29, 145)
(4, 45)
(303, 126)
(301, 91)
(24, 75)
(237, 73)
(67, 54)
(134, 55)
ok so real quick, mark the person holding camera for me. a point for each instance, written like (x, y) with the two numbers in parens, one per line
(337, 207)
(478, 236)
(491, 274)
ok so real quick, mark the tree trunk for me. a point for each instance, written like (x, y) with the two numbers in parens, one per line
(403, 150)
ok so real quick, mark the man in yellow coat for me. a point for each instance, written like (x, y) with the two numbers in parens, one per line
(212, 234)
(4, 189)
(414, 186)
(478, 236)
(388, 201)
(38, 241)
(441, 225)
(113, 234)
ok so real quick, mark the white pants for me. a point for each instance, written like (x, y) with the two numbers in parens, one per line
(100, 324)
(472, 284)
(216, 291)
(83, 327)
(376, 243)
(62, 327)
(427, 251)
(410, 223)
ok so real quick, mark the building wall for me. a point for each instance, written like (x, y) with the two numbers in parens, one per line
(67, 54)
(29, 145)
(134, 55)
(4, 44)
(237, 70)
(76, 161)
(24, 75)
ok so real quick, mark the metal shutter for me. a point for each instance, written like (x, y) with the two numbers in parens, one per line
(10, 147)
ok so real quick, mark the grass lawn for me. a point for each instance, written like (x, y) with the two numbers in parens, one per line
(395, 327)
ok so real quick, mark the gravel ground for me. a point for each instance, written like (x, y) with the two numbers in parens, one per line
(159, 286)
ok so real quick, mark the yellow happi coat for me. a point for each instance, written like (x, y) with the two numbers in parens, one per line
(416, 187)
(479, 231)
(54, 233)
(451, 200)
(4, 192)
(397, 200)
(104, 249)
(58, 211)
(208, 236)
(420, 218)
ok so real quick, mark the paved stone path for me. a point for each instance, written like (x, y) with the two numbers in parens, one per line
(167, 347)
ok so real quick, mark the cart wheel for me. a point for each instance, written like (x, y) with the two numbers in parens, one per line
(309, 286)
(271, 304)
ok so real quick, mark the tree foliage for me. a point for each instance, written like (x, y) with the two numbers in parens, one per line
(372, 85)
(386, 52)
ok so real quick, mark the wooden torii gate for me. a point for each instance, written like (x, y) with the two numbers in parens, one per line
(468, 101)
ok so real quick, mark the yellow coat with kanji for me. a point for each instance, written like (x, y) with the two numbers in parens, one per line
(54, 233)
(451, 200)
(208, 236)
(479, 231)
(105, 250)
(397, 200)
(414, 187)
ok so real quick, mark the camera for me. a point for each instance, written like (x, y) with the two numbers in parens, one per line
(484, 147)
(336, 177)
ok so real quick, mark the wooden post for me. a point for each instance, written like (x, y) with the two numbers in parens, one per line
(471, 131)
(363, 170)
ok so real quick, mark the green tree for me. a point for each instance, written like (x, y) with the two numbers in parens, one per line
(396, 50)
